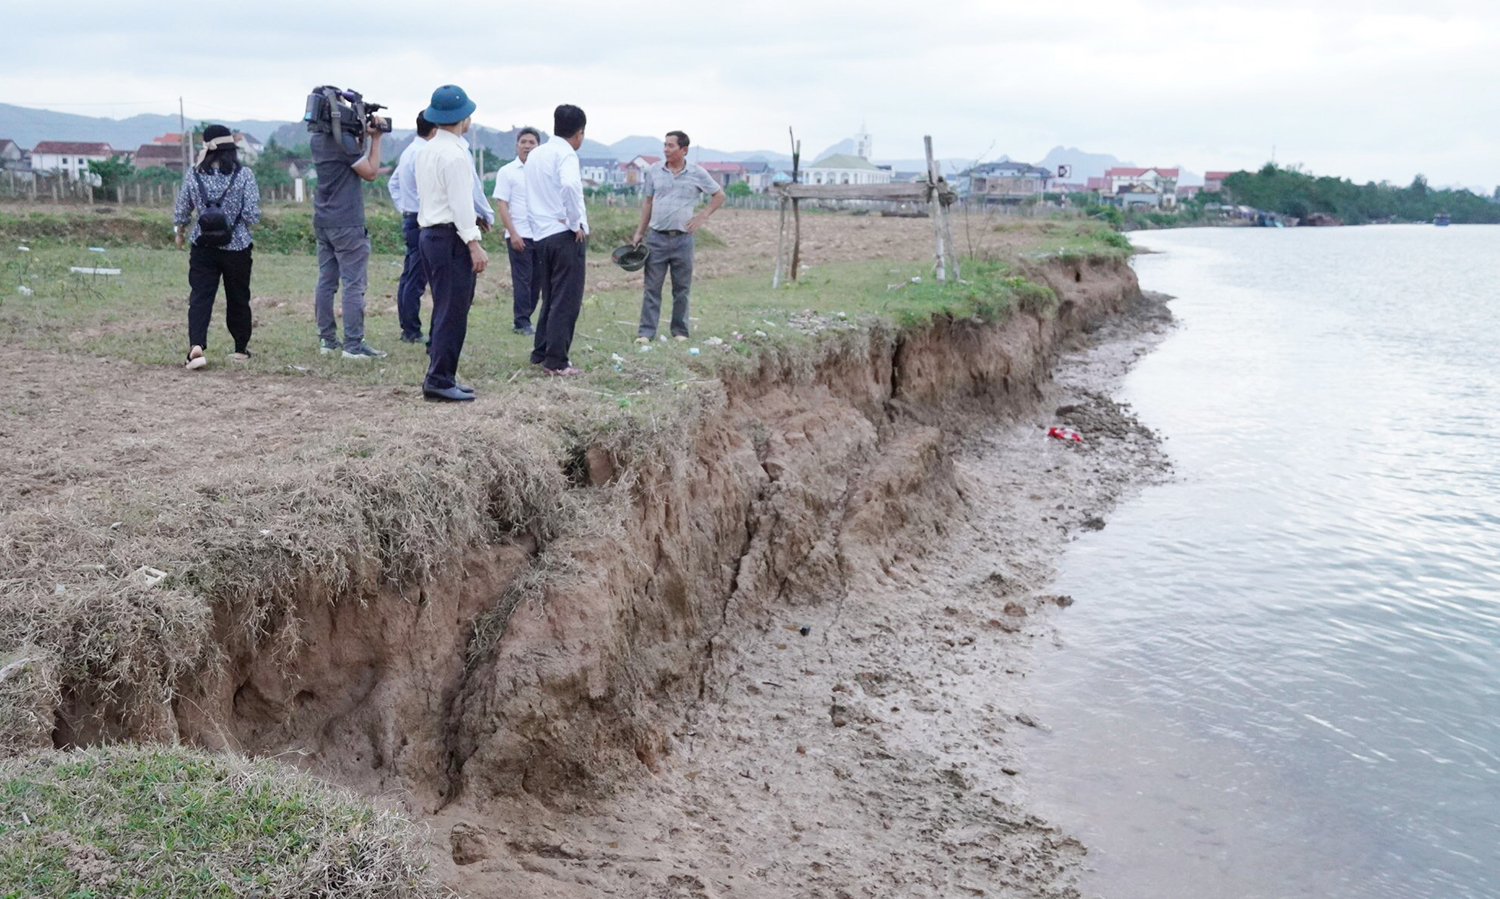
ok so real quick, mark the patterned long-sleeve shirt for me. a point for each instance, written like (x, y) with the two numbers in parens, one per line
(242, 202)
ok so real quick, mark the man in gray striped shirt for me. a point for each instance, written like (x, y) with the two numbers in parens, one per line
(673, 188)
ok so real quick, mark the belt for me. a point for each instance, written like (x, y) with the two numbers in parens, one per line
(446, 226)
(408, 215)
(669, 232)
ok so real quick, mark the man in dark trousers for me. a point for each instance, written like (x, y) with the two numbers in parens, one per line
(451, 252)
(510, 191)
(559, 230)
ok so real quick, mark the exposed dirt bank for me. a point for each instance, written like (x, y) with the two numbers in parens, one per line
(849, 738)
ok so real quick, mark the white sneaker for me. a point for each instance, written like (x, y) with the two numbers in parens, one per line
(196, 359)
(643, 340)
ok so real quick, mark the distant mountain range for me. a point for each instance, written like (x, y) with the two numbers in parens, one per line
(28, 127)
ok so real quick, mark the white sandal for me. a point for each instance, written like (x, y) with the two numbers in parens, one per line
(196, 359)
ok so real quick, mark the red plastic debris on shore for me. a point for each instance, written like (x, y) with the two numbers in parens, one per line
(1065, 434)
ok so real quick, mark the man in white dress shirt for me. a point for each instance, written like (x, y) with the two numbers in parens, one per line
(510, 191)
(451, 252)
(559, 228)
(403, 189)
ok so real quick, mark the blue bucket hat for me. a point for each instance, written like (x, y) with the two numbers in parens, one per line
(450, 105)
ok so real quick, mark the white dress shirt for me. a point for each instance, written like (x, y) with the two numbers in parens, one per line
(445, 185)
(554, 190)
(510, 187)
(403, 183)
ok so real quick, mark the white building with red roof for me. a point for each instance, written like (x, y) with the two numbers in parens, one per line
(1154, 182)
(726, 173)
(66, 157)
(635, 169)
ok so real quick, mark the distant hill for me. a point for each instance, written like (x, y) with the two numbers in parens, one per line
(28, 127)
(1085, 165)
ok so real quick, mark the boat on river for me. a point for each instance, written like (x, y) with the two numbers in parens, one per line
(1442, 220)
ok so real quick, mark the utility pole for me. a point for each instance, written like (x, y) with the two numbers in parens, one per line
(183, 135)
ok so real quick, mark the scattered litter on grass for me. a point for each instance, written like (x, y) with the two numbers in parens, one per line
(23, 290)
(693, 351)
(761, 334)
(715, 341)
(149, 576)
(1065, 434)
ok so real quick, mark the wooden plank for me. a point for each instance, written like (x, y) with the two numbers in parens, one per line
(896, 192)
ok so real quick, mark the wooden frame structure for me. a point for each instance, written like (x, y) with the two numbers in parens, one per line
(934, 191)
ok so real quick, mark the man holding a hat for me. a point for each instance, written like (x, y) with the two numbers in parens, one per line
(449, 239)
(669, 217)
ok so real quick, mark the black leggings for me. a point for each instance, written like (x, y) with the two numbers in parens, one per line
(205, 266)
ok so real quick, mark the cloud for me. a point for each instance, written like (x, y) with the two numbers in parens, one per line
(1373, 89)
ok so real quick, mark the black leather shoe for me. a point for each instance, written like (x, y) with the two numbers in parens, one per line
(464, 387)
(411, 338)
(446, 395)
(528, 330)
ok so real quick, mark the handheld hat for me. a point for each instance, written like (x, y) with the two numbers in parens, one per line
(632, 258)
(450, 105)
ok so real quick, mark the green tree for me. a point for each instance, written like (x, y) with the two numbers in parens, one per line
(111, 173)
(738, 189)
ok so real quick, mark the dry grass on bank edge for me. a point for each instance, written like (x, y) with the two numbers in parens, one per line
(75, 591)
(180, 824)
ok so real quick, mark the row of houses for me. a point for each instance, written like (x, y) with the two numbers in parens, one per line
(71, 159)
(1013, 182)
(613, 174)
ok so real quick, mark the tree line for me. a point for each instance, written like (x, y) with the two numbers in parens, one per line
(1294, 192)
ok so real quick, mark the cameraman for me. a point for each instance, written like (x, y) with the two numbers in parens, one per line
(343, 242)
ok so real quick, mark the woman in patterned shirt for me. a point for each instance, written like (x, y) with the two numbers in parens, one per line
(218, 183)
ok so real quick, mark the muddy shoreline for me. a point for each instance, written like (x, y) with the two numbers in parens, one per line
(862, 746)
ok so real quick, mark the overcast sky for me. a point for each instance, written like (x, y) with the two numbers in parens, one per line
(1368, 89)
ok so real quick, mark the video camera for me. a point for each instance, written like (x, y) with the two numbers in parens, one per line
(343, 114)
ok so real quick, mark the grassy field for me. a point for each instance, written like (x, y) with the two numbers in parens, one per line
(140, 315)
(177, 824)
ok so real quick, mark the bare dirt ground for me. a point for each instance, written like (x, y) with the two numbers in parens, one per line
(863, 749)
(750, 242)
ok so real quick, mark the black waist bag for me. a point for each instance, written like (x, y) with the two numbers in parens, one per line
(214, 227)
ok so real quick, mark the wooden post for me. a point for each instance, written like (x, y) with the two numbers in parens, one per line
(936, 206)
(796, 209)
(780, 247)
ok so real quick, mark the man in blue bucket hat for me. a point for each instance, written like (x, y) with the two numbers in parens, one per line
(449, 241)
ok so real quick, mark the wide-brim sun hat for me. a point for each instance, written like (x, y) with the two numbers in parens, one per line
(631, 257)
(449, 106)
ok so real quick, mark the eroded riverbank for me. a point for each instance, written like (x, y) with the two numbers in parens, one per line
(864, 747)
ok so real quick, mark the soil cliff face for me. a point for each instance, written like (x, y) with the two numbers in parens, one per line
(791, 491)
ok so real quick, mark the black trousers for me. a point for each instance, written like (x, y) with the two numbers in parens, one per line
(413, 280)
(206, 266)
(558, 268)
(450, 274)
(523, 283)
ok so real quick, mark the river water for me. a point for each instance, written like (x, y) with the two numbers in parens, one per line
(1282, 674)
